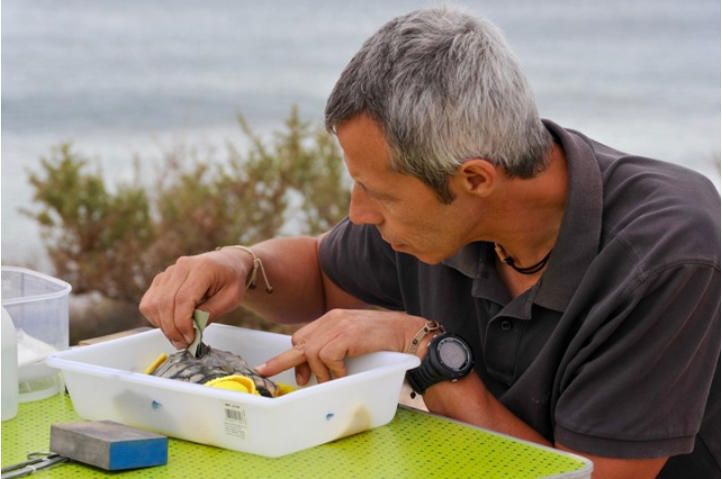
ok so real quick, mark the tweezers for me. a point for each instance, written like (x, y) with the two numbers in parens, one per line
(35, 462)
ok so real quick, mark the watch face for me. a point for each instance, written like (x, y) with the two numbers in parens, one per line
(452, 353)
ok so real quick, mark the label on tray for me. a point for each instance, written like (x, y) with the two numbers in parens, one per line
(235, 420)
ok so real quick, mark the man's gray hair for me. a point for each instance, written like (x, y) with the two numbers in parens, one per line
(445, 87)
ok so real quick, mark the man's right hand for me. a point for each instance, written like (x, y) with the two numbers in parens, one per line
(213, 282)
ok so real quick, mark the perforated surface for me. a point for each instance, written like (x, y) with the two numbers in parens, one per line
(412, 445)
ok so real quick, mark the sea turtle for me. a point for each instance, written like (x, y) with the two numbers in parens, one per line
(213, 364)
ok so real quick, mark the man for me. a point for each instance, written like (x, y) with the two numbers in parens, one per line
(583, 282)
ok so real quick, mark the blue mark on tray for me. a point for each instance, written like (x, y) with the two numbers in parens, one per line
(329, 416)
(155, 405)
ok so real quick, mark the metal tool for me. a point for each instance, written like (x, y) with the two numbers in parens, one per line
(35, 462)
(202, 349)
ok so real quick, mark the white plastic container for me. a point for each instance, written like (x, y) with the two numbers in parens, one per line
(38, 305)
(106, 381)
(9, 368)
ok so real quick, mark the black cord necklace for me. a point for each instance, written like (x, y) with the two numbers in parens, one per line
(536, 267)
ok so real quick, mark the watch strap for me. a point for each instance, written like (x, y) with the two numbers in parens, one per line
(423, 377)
(432, 369)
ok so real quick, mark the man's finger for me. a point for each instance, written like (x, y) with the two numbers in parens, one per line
(333, 355)
(319, 368)
(168, 326)
(286, 360)
(165, 292)
(303, 374)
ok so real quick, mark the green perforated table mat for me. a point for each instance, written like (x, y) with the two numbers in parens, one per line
(414, 445)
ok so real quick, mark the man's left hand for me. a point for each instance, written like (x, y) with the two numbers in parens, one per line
(320, 347)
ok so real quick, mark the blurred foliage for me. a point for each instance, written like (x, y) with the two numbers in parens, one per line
(115, 240)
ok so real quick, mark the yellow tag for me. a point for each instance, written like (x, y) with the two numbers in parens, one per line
(157, 362)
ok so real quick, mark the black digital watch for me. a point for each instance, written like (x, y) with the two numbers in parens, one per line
(448, 358)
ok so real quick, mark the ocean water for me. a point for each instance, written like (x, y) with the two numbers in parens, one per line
(137, 78)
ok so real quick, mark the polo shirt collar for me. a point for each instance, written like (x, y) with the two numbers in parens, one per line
(580, 232)
(576, 246)
(467, 260)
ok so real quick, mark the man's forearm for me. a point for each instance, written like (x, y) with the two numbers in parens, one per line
(291, 265)
(469, 401)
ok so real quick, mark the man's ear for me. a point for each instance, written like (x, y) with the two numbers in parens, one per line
(477, 176)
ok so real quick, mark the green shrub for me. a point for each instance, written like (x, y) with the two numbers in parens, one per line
(115, 240)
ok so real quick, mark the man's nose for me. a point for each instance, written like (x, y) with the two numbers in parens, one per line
(362, 210)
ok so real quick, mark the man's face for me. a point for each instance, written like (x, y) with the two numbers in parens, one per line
(406, 211)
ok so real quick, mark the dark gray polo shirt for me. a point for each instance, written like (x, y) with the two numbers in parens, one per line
(615, 351)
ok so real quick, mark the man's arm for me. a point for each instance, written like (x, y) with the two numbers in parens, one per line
(469, 401)
(301, 292)
(616, 468)
(215, 282)
(321, 347)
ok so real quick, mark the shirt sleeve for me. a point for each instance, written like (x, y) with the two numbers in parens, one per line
(359, 261)
(639, 386)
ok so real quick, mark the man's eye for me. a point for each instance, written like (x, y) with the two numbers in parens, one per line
(372, 194)
(383, 197)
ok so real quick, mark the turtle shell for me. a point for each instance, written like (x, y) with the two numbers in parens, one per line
(212, 365)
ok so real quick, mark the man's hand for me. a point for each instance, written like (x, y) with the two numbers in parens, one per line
(213, 282)
(321, 346)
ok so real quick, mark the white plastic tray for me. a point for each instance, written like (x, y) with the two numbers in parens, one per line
(106, 381)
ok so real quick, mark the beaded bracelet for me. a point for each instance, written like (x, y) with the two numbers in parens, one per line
(429, 327)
